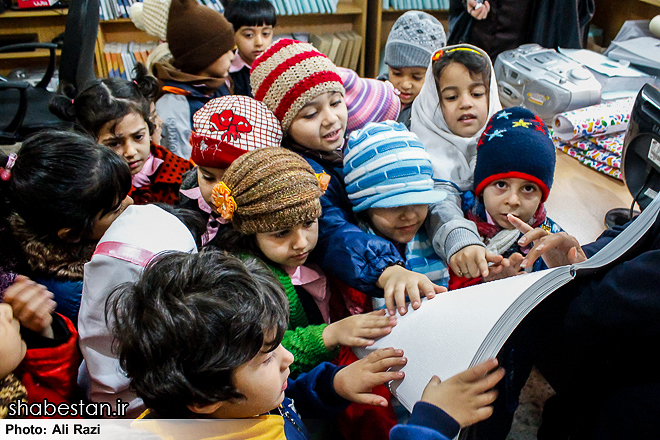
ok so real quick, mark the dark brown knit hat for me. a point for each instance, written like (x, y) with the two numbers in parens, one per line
(270, 189)
(197, 35)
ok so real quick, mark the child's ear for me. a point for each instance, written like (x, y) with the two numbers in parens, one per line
(65, 234)
(206, 409)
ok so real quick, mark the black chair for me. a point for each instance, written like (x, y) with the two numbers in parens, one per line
(24, 108)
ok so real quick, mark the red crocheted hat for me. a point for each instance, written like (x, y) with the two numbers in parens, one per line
(230, 126)
(289, 75)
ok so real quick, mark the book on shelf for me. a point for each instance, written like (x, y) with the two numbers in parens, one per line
(462, 328)
(335, 42)
(114, 9)
(343, 47)
(119, 59)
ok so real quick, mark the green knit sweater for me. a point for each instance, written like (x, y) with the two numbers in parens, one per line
(303, 340)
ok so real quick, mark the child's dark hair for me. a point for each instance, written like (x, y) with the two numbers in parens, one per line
(106, 100)
(189, 322)
(250, 13)
(64, 180)
(476, 64)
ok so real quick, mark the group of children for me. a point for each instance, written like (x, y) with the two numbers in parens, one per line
(304, 233)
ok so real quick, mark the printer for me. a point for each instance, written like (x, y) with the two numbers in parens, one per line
(544, 81)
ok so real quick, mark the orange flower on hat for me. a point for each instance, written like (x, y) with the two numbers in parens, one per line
(223, 201)
(324, 180)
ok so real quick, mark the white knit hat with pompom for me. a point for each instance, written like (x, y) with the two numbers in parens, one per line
(150, 16)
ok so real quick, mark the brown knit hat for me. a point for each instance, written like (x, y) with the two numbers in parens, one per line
(289, 75)
(268, 190)
(197, 35)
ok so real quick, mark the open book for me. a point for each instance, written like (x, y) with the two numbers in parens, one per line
(461, 328)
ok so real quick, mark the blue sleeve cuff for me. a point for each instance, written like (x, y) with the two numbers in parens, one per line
(431, 416)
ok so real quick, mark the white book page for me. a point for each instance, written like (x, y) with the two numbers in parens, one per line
(443, 335)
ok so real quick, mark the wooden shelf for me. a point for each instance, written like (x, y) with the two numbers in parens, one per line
(40, 53)
(653, 2)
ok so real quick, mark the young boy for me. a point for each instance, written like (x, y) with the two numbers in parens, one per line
(199, 337)
(414, 37)
(253, 23)
(202, 43)
(513, 175)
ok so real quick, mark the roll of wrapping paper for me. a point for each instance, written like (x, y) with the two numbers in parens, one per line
(606, 118)
(589, 162)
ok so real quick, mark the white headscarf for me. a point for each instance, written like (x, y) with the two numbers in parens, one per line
(453, 157)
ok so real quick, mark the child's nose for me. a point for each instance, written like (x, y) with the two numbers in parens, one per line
(258, 40)
(300, 240)
(287, 357)
(513, 198)
(330, 117)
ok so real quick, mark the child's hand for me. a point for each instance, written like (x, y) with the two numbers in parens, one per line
(358, 330)
(356, 381)
(397, 282)
(32, 305)
(466, 397)
(472, 261)
(510, 269)
(557, 249)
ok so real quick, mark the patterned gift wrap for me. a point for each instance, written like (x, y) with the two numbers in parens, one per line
(589, 161)
(610, 142)
(606, 118)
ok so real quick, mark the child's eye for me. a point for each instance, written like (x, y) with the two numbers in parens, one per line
(310, 223)
(500, 185)
(449, 97)
(336, 103)
(266, 33)
(208, 178)
(139, 137)
(310, 115)
(530, 188)
(248, 35)
(418, 77)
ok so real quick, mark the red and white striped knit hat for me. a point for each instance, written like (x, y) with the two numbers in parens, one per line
(289, 75)
(227, 127)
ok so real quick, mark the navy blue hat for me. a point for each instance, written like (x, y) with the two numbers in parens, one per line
(387, 166)
(516, 143)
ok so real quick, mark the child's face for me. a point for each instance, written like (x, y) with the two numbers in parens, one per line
(12, 348)
(207, 178)
(463, 100)
(252, 41)
(128, 137)
(103, 222)
(408, 81)
(399, 224)
(262, 380)
(515, 196)
(289, 247)
(320, 125)
(220, 67)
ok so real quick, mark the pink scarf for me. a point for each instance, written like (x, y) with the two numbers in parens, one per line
(141, 178)
(214, 222)
(313, 280)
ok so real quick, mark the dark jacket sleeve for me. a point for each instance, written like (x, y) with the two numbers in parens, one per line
(343, 249)
(427, 422)
(314, 392)
(619, 305)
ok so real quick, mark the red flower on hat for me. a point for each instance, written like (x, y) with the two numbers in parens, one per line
(231, 123)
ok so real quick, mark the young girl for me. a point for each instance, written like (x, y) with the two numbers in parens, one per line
(60, 192)
(223, 129)
(118, 114)
(388, 174)
(302, 88)
(458, 97)
(271, 196)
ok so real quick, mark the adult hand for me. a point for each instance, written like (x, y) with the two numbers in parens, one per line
(477, 11)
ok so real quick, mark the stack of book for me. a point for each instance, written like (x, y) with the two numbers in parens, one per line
(113, 9)
(343, 48)
(404, 5)
(297, 7)
(118, 59)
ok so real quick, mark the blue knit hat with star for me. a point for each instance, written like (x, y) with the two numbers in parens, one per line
(386, 166)
(515, 144)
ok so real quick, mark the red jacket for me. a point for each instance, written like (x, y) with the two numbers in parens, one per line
(165, 182)
(51, 373)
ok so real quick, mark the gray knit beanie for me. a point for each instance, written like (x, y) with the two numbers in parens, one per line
(414, 38)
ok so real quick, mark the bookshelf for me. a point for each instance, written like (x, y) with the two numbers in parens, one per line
(379, 24)
(44, 25)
